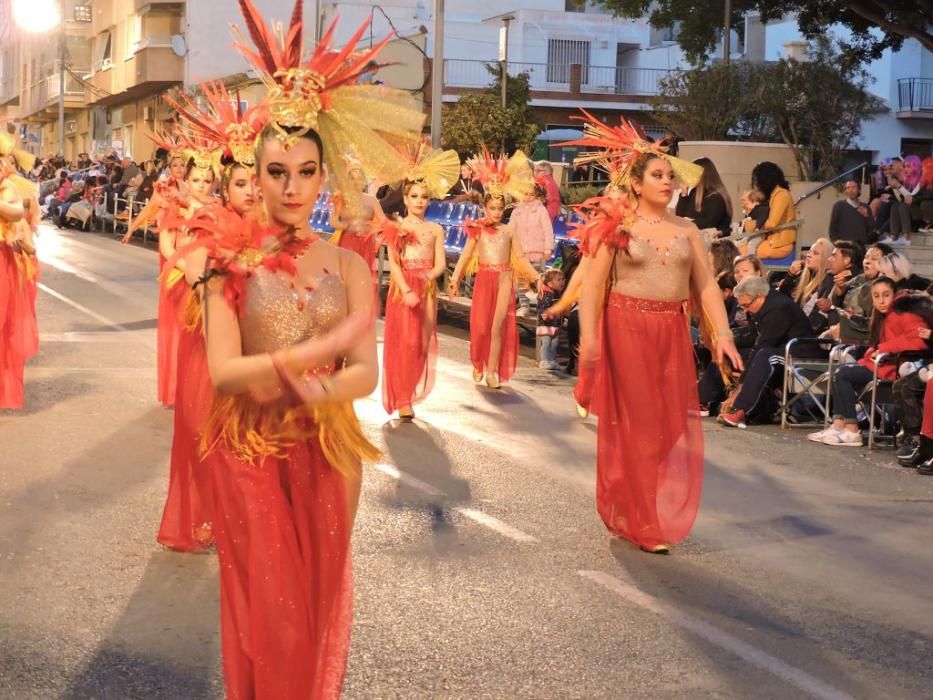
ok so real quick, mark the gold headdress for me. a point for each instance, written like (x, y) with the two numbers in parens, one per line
(169, 143)
(8, 147)
(320, 93)
(503, 177)
(205, 154)
(437, 169)
(620, 146)
(222, 122)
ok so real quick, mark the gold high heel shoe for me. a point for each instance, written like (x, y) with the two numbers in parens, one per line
(477, 376)
(406, 414)
(492, 380)
(657, 549)
(583, 413)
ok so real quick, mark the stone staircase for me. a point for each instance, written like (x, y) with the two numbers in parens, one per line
(920, 253)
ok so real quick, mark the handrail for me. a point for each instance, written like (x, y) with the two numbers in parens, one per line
(832, 182)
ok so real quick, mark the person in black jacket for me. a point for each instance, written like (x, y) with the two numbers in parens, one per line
(708, 204)
(778, 320)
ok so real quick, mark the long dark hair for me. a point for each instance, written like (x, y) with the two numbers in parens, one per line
(709, 183)
(877, 320)
(767, 175)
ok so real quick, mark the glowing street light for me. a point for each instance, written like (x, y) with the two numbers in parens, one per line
(36, 16)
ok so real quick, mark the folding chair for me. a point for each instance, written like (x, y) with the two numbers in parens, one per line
(806, 374)
(881, 391)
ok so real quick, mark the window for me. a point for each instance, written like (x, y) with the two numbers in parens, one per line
(561, 54)
(133, 33)
(82, 11)
(104, 57)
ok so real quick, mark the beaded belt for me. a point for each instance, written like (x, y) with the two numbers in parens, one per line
(501, 267)
(417, 264)
(646, 306)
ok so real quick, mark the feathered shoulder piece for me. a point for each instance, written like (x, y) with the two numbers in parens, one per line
(474, 228)
(502, 177)
(239, 246)
(25, 160)
(617, 147)
(221, 122)
(606, 221)
(392, 235)
(437, 169)
(319, 92)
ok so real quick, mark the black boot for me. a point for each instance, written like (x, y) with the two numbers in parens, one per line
(925, 461)
(908, 454)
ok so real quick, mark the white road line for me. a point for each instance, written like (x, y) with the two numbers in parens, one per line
(497, 525)
(794, 676)
(476, 516)
(407, 479)
(78, 337)
(83, 309)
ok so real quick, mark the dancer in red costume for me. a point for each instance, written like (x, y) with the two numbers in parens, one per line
(188, 514)
(649, 461)
(19, 337)
(493, 329)
(291, 343)
(355, 228)
(417, 259)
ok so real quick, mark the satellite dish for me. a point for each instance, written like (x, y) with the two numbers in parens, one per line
(179, 47)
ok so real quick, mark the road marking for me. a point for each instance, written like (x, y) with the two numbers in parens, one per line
(78, 337)
(497, 525)
(145, 339)
(407, 479)
(476, 516)
(799, 679)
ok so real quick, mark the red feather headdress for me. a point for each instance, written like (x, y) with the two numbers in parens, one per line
(503, 176)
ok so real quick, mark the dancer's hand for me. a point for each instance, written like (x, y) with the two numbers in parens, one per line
(726, 350)
(589, 352)
(320, 351)
(553, 312)
(411, 299)
(453, 289)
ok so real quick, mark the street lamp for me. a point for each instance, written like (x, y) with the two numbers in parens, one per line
(504, 55)
(437, 74)
(39, 17)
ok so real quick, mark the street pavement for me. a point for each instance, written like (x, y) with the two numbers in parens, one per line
(481, 567)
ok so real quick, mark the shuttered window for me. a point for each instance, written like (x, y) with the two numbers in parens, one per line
(561, 54)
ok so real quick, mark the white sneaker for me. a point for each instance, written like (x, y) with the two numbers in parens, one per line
(844, 438)
(902, 242)
(823, 434)
(886, 239)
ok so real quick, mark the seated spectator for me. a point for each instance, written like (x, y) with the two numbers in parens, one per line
(896, 266)
(851, 219)
(851, 295)
(778, 320)
(467, 188)
(807, 282)
(910, 388)
(708, 204)
(894, 200)
(747, 266)
(892, 331)
(756, 212)
(779, 241)
(722, 255)
(924, 198)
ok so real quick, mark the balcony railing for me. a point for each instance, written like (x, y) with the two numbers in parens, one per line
(553, 77)
(915, 94)
(74, 88)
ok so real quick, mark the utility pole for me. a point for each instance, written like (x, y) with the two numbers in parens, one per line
(62, 53)
(437, 74)
(727, 32)
(504, 56)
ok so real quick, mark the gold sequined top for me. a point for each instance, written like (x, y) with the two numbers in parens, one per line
(276, 316)
(649, 271)
(419, 245)
(495, 249)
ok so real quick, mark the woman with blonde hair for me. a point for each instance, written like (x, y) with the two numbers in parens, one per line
(809, 283)
(897, 266)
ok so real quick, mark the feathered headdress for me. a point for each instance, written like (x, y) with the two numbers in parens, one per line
(437, 169)
(205, 154)
(619, 146)
(222, 122)
(8, 147)
(320, 93)
(503, 177)
(170, 143)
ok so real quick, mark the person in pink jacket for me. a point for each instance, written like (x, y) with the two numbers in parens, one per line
(544, 176)
(531, 221)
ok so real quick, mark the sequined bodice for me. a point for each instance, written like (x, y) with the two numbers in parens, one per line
(419, 245)
(495, 248)
(276, 316)
(648, 271)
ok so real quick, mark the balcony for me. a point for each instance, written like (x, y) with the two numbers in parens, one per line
(152, 68)
(915, 98)
(547, 78)
(41, 100)
(9, 91)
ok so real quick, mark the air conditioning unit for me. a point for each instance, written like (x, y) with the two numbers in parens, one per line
(71, 126)
(148, 114)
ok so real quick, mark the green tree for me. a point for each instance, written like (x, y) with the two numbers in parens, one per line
(700, 21)
(478, 118)
(816, 107)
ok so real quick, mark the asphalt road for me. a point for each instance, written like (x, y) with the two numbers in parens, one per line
(481, 567)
